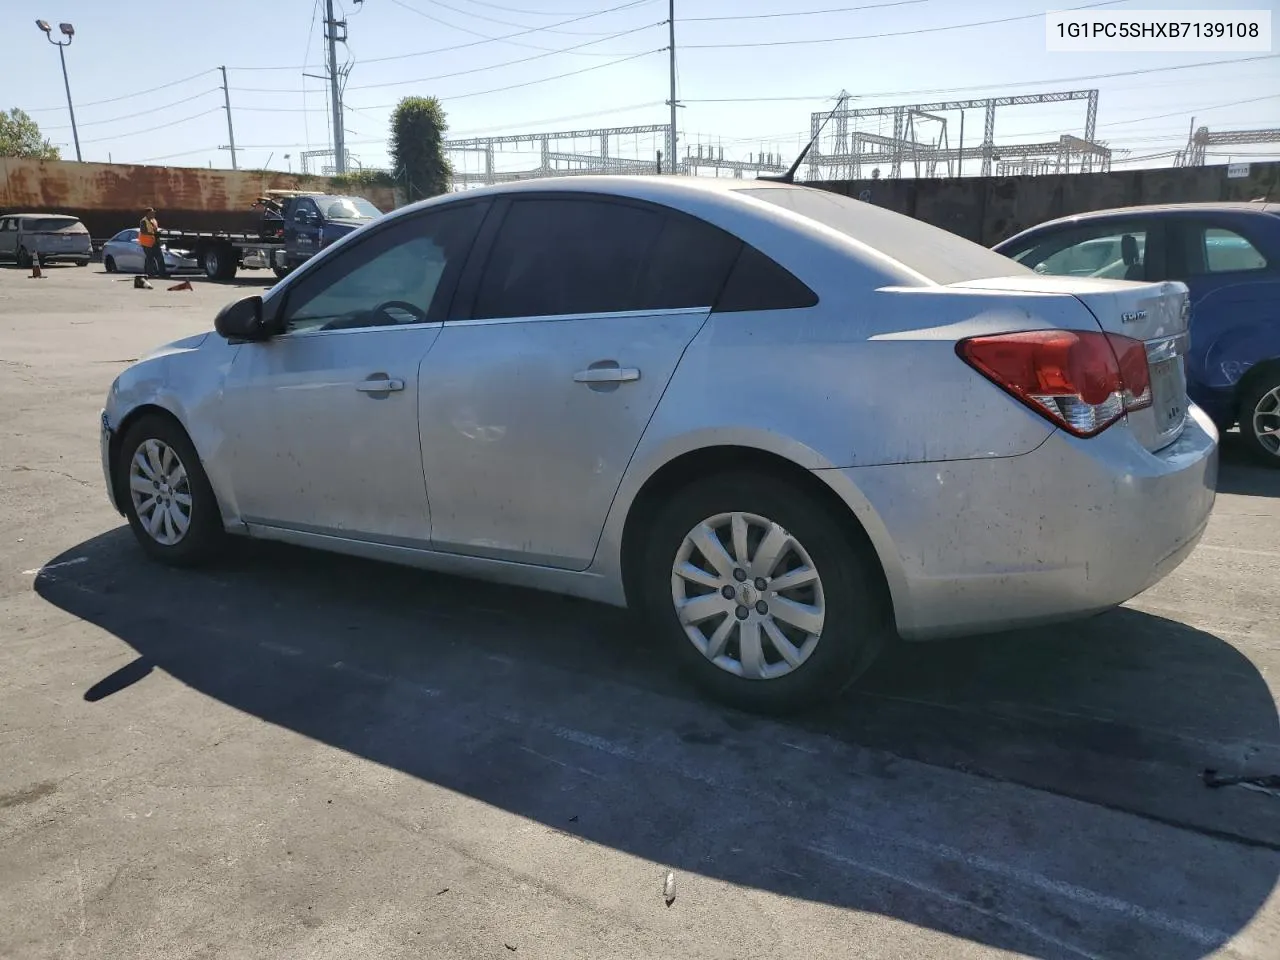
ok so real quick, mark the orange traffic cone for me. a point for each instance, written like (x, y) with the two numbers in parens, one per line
(184, 285)
(35, 268)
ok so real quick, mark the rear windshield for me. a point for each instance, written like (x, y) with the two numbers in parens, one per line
(52, 224)
(930, 251)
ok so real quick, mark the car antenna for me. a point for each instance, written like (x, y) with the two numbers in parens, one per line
(790, 175)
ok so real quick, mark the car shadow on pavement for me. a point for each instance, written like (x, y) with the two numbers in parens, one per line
(1241, 474)
(904, 799)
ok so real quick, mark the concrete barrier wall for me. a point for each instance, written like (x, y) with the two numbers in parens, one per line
(989, 209)
(108, 197)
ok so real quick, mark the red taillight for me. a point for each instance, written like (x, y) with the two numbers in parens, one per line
(1081, 380)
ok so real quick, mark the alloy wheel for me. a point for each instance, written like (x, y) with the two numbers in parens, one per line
(161, 492)
(748, 596)
(1266, 421)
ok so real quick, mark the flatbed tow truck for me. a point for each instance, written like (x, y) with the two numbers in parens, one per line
(295, 225)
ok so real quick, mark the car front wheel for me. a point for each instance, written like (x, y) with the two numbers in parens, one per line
(1260, 419)
(167, 498)
(768, 599)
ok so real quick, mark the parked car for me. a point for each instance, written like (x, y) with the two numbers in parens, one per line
(776, 421)
(55, 237)
(123, 253)
(1228, 255)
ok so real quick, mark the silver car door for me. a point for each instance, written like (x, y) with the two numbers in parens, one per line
(532, 409)
(321, 422)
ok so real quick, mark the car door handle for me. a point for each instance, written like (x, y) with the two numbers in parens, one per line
(607, 375)
(380, 385)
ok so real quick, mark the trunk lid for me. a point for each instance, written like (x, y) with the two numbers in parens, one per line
(1158, 314)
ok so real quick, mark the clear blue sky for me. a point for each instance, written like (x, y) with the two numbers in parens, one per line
(277, 111)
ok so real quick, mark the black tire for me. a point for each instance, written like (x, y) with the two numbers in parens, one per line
(219, 262)
(205, 535)
(856, 623)
(1263, 391)
(82, 263)
(24, 258)
(109, 264)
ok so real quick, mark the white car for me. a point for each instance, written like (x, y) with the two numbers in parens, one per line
(123, 253)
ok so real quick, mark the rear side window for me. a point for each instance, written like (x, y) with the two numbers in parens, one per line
(689, 266)
(1225, 251)
(759, 283)
(571, 255)
(568, 256)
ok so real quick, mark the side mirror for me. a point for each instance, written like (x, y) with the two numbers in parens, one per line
(242, 320)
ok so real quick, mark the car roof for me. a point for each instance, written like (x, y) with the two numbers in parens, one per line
(43, 216)
(1165, 210)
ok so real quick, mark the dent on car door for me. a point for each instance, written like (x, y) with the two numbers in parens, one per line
(1235, 300)
(321, 422)
(533, 407)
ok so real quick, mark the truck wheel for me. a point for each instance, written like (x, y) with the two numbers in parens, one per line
(24, 258)
(219, 262)
(211, 260)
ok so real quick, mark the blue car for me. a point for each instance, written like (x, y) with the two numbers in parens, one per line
(1228, 255)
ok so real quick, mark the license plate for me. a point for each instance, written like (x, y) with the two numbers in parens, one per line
(1167, 393)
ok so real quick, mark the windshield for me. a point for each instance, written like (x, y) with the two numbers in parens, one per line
(348, 208)
(54, 224)
(930, 251)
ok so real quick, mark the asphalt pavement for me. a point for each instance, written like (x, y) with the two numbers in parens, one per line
(294, 755)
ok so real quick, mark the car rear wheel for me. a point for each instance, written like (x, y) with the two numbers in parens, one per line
(110, 264)
(767, 600)
(1260, 419)
(166, 494)
(24, 258)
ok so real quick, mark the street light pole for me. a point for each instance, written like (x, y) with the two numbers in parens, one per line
(69, 32)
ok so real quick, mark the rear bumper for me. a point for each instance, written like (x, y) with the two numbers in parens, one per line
(1071, 529)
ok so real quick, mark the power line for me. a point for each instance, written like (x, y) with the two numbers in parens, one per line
(185, 153)
(486, 36)
(512, 23)
(129, 96)
(509, 63)
(532, 13)
(478, 43)
(140, 113)
(806, 13)
(163, 126)
(983, 87)
(530, 83)
(895, 33)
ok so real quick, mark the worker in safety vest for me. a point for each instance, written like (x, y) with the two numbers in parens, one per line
(148, 230)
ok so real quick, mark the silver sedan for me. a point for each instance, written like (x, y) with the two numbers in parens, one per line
(123, 253)
(780, 424)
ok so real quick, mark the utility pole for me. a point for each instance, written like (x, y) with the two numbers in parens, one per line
(672, 164)
(231, 134)
(335, 88)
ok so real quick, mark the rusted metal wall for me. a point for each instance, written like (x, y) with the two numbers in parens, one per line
(989, 209)
(108, 197)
